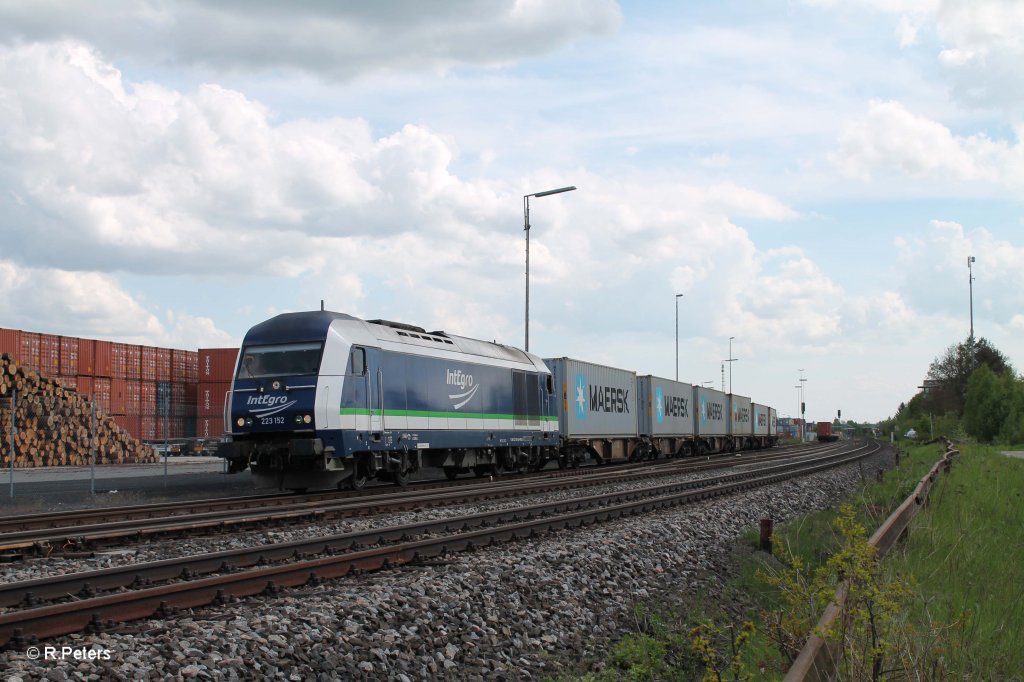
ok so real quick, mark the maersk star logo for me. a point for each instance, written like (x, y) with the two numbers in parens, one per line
(581, 397)
(659, 405)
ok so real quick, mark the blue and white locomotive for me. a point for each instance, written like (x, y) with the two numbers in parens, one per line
(324, 399)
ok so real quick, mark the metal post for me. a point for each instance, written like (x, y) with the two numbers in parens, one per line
(92, 448)
(526, 228)
(167, 428)
(14, 393)
(677, 336)
(970, 284)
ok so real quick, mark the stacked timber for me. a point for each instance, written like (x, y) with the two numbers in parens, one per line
(52, 424)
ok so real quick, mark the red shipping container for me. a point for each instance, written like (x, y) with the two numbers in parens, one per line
(70, 383)
(102, 359)
(133, 398)
(163, 364)
(184, 366)
(170, 427)
(118, 396)
(118, 360)
(86, 357)
(147, 427)
(85, 385)
(130, 424)
(49, 355)
(69, 356)
(191, 367)
(101, 389)
(147, 398)
(217, 364)
(210, 398)
(10, 342)
(210, 427)
(133, 362)
(147, 363)
(29, 357)
(178, 400)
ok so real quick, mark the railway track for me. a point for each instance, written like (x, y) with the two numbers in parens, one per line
(44, 535)
(340, 555)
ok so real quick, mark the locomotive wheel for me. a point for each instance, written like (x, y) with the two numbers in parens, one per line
(451, 473)
(359, 478)
(401, 478)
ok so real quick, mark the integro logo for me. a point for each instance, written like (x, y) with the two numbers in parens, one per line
(266, 404)
(463, 381)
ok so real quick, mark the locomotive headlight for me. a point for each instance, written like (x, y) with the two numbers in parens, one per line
(307, 419)
(276, 385)
(298, 419)
(241, 421)
(248, 421)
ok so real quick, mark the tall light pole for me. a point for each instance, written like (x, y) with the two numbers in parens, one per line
(678, 296)
(526, 228)
(970, 284)
(803, 404)
(730, 361)
(799, 426)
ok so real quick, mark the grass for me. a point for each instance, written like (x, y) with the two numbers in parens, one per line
(967, 552)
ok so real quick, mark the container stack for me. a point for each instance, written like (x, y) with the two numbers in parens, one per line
(149, 392)
(54, 425)
(216, 368)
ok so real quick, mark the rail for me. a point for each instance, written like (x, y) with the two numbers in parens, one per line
(819, 659)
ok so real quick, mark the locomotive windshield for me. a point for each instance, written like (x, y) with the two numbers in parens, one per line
(286, 359)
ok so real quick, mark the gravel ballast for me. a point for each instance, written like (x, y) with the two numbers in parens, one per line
(518, 611)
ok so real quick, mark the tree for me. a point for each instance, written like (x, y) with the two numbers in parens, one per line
(948, 375)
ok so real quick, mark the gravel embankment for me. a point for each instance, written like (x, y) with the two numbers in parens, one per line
(518, 611)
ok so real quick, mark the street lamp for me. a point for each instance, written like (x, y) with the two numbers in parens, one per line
(799, 426)
(678, 296)
(526, 228)
(970, 283)
(730, 361)
(803, 404)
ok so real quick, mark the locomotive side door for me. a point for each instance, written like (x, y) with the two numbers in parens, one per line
(375, 392)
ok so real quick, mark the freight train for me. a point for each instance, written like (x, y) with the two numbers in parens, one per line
(324, 399)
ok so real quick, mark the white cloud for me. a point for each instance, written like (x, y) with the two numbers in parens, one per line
(892, 138)
(906, 31)
(337, 40)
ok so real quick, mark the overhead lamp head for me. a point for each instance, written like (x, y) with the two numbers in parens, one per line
(553, 191)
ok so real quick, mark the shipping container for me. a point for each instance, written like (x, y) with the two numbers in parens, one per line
(84, 385)
(10, 343)
(133, 362)
(210, 398)
(101, 391)
(740, 421)
(210, 427)
(147, 363)
(49, 355)
(118, 360)
(147, 398)
(179, 365)
(217, 364)
(163, 364)
(712, 412)
(86, 357)
(593, 400)
(29, 357)
(118, 397)
(102, 358)
(69, 356)
(132, 425)
(773, 420)
(69, 383)
(178, 400)
(133, 398)
(762, 420)
(163, 399)
(665, 407)
(147, 427)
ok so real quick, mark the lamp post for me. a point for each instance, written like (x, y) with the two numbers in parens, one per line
(678, 296)
(730, 361)
(799, 426)
(526, 228)
(970, 284)
(803, 404)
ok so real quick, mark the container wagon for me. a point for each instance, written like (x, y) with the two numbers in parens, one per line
(741, 423)
(665, 417)
(711, 423)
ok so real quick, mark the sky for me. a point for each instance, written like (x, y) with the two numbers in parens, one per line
(811, 175)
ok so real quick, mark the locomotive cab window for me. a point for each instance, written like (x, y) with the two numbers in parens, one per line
(286, 359)
(358, 361)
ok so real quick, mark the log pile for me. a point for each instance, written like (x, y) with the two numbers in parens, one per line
(52, 425)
